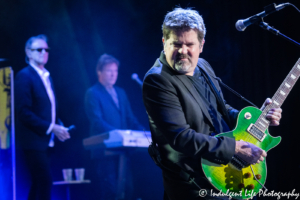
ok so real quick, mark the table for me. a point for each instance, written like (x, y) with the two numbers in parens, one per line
(68, 183)
(121, 143)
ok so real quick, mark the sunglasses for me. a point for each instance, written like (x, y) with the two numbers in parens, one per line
(40, 50)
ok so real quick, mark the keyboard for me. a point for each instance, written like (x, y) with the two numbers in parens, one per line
(118, 138)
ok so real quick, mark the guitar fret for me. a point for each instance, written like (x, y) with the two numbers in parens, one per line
(282, 93)
(262, 124)
(287, 85)
(296, 70)
(266, 121)
(276, 103)
(295, 75)
(285, 90)
(280, 98)
(259, 126)
(262, 120)
(290, 81)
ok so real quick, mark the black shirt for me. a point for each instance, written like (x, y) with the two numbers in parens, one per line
(210, 102)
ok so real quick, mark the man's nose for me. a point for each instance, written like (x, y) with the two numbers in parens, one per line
(183, 49)
(43, 51)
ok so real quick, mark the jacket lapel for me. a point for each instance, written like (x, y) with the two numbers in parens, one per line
(39, 80)
(120, 99)
(189, 86)
(108, 96)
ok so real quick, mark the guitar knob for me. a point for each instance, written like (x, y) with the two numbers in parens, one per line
(247, 115)
(258, 176)
(241, 185)
(247, 175)
(250, 187)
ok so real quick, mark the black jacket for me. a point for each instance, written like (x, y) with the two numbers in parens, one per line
(103, 113)
(178, 118)
(33, 110)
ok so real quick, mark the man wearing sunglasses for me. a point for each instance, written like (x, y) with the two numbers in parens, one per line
(36, 116)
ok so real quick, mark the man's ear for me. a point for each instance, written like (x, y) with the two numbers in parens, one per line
(203, 41)
(163, 41)
(28, 53)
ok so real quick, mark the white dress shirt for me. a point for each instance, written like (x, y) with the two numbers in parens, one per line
(44, 74)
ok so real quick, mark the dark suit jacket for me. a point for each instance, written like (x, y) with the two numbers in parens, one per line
(103, 113)
(179, 121)
(33, 110)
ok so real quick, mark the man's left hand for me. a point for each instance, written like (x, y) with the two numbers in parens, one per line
(274, 114)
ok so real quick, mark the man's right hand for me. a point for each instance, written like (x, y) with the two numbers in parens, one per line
(249, 152)
(61, 132)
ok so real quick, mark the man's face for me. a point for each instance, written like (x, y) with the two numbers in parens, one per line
(182, 51)
(37, 54)
(109, 75)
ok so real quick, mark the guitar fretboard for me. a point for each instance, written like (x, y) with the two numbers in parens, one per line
(279, 96)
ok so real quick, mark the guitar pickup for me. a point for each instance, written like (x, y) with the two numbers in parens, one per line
(256, 132)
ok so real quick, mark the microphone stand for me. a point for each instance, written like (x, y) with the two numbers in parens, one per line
(266, 26)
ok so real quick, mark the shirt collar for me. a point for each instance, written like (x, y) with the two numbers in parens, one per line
(42, 72)
(163, 59)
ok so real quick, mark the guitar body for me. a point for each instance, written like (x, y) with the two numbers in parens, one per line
(234, 181)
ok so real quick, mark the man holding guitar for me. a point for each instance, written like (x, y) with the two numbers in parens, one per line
(187, 111)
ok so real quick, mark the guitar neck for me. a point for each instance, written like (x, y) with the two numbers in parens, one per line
(279, 96)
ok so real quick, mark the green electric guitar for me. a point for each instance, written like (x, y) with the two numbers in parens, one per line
(238, 179)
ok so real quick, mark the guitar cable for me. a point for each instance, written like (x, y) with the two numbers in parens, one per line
(257, 179)
(233, 91)
(155, 155)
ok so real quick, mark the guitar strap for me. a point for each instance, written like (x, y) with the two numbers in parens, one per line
(218, 96)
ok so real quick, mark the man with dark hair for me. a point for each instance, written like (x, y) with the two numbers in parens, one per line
(186, 109)
(104, 60)
(108, 108)
(36, 117)
(107, 105)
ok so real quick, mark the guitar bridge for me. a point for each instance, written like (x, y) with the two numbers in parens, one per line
(256, 132)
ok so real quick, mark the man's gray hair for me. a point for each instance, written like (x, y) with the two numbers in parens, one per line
(181, 19)
(31, 40)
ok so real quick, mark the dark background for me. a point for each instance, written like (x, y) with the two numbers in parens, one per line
(253, 62)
